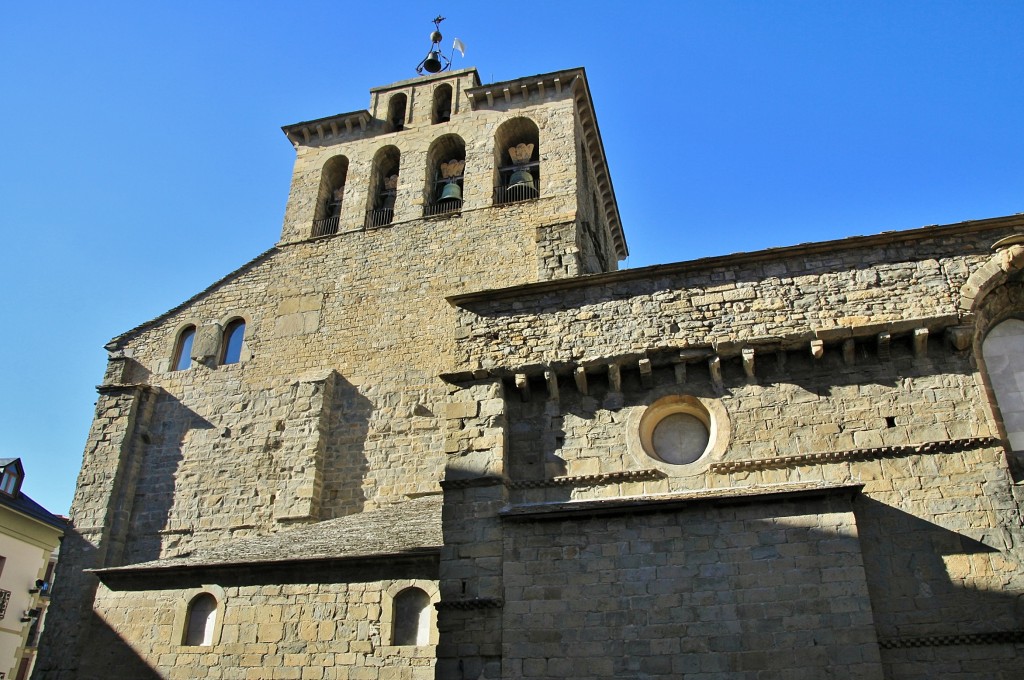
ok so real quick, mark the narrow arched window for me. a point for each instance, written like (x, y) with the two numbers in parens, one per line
(517, 161)
(396, 112)
(442, 109)
(412, 618)
(330, 197)
(202, 615)
(446, 161)
(1003, 350)
(234, 335)
(183, 348)
(384, 187)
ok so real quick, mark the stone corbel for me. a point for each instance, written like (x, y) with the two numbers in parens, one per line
(960, 336)
(748, 363)
(715, 369)
(551, 379)
(817, 348)
(646, 375)
(614, 378)
(580, 374)
(921, 343)
(884, 345)
(523, 385)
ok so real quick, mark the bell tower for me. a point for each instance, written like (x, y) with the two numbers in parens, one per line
(523, 155)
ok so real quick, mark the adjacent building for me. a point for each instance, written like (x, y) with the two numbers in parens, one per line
(29, 538)
(434, 433)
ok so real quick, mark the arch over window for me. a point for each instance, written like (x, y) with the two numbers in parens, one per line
(396, 112)
(442, 109)
(1003, 351)
(201, 620)
(446, 162)
(234, 336)
(516, 161)
(383, 187)
(183, 348)
(411, 618)
(329, 198)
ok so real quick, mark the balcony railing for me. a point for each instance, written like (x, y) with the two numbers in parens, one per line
(450, 206)
(507, 192)
(326, 226)
(5, 598)
(379, 217)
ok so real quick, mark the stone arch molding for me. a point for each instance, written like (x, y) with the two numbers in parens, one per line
(181, 612)
(1008, 260)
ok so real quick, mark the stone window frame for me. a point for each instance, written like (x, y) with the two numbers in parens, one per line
(177, 347)
(182, 610)
(387, 618)
(226, 325)
(640, 424)
(998, 406)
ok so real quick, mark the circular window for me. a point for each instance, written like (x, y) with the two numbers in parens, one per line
(680, 438)
(678, 430)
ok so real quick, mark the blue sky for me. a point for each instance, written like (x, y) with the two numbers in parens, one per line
(143, 157)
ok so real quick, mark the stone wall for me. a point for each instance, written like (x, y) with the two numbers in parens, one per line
(768, 590)
(270, 626)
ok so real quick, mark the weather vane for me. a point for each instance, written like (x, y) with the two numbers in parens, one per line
(435, 62)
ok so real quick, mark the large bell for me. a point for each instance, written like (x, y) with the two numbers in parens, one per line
(522, 181)
(433, 61)
(451, 192)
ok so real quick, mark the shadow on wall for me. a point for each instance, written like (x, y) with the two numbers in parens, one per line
(917, 570)
(345, 462)
(175, 429)
(111, 656)
(712, 587)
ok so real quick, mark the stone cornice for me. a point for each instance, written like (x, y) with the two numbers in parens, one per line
(588, 480)
(886, 238)
(329, 128)
(875, 453)
(816, 340)
(997, 637)
(473, 603)
(658, 502)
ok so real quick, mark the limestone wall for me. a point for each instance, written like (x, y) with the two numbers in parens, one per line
(311, 631)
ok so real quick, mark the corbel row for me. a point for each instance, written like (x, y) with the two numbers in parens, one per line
(959, 337)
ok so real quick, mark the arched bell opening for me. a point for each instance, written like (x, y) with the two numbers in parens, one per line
(396, 112)
(330, 196)
(441, 111)
(517, 161)
(446, 163)
(384, 187)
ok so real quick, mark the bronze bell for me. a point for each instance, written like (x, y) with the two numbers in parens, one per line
(451, 192)
(523, 180)
(433, 61)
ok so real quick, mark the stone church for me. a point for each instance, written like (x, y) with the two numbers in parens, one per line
(433, 432)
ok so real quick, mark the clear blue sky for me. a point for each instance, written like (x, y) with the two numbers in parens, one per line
(143, 158)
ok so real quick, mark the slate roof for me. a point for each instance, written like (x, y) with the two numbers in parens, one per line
(406, 528)
(26, 506)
